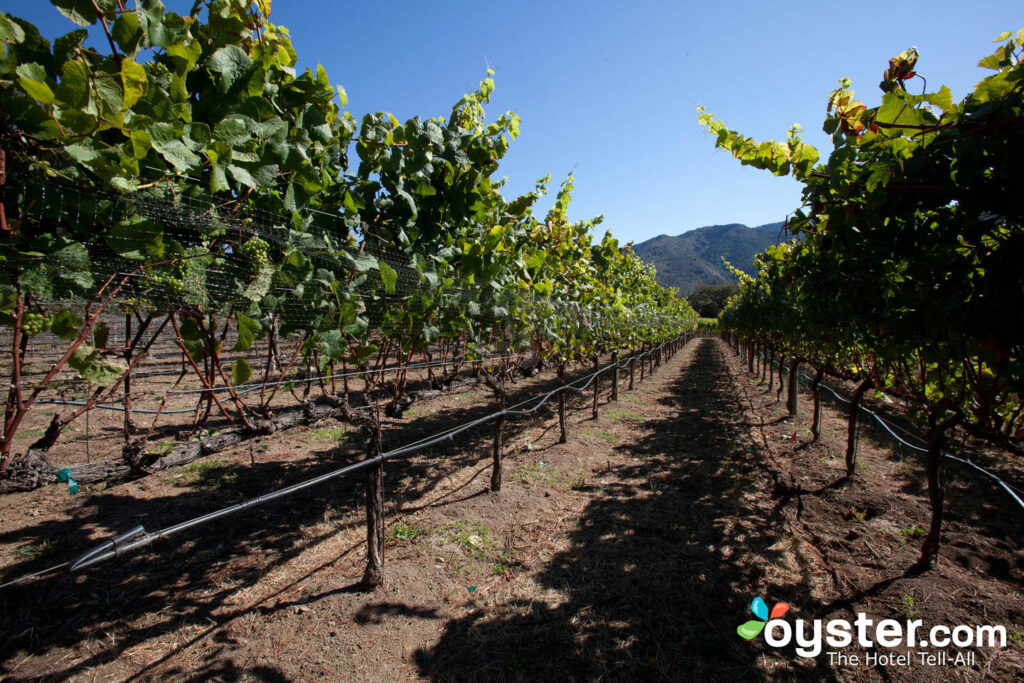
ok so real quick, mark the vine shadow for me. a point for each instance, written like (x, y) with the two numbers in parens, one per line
(659, 573)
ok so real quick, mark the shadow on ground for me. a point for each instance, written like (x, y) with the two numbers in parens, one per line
(188, 581)
(662, 568)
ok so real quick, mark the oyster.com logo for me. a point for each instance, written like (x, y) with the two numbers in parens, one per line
(903, 642)
(753, 628)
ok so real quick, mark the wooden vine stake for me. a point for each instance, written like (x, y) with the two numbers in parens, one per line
(597, 385)
(615, 375)
(562, 436)
(934, 439)
(499, 432)
(792, 401)
(851, 427)
(782, 369)
(816, 391)
(373, 576)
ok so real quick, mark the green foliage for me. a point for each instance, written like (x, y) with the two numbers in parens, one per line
(908, 606)
(472, 536)
(913, 532)
(208, 475)
(909, 243)
(329, 434)
(40, 550)
(709, 300)
(404, 532)
(205, 117)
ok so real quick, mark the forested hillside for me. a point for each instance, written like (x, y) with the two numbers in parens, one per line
(695, 257)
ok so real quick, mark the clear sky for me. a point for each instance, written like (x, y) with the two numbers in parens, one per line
(609, 89)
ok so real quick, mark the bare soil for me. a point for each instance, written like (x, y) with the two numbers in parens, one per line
(630, 553)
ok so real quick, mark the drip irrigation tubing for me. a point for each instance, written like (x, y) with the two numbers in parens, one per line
(34, 575)
(138, 537)
(889, 428)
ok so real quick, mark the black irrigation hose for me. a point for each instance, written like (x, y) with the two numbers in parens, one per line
(889, 428)
(138, 537)
(34, 575)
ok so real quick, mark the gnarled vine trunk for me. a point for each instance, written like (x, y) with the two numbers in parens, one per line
(853, 422)
(816, 391)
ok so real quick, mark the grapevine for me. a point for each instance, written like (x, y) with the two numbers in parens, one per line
(907, 255)
(221, 214)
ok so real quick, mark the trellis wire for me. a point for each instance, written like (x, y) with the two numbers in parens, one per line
(138, 537)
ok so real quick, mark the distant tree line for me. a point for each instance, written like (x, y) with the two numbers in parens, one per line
(709, 300)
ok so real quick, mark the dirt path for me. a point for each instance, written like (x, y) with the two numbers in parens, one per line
(630, 553)
(862, 535)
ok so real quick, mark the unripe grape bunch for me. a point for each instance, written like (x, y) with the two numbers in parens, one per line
(34, 323)
(165, 283)
(256, 249)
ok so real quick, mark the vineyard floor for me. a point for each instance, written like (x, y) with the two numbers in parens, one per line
(631, 552)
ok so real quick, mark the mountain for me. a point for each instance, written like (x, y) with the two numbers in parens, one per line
(695, 257)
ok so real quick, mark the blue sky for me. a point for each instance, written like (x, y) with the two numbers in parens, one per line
(609, 90)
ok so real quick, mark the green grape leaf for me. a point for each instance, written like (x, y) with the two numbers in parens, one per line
(364, 353)
(333, 345)
(74, 83)
(242, 176)
(248, 330)
(230, 66)
(389, 277)
(83, 152)
(191, 331)
(66, 325)
(265, 176)
(96, 366)
(32, 78)
(942, 99)
(133, 79)
(233, 130)
(364, 262)
(356, 328)
(189, 52)
(127, 32)
(39, 280)
(65, 47)
(137, 239)
(81, 12)
(111, 93)
(169, 145)
(194, 338)
(10, 32)
(241, 371)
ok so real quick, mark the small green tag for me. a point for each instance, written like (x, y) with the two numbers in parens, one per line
(65, 475)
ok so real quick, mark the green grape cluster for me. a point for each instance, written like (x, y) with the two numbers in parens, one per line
(256, 249)
(136, 304)
(166, 282)
(34, 323)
